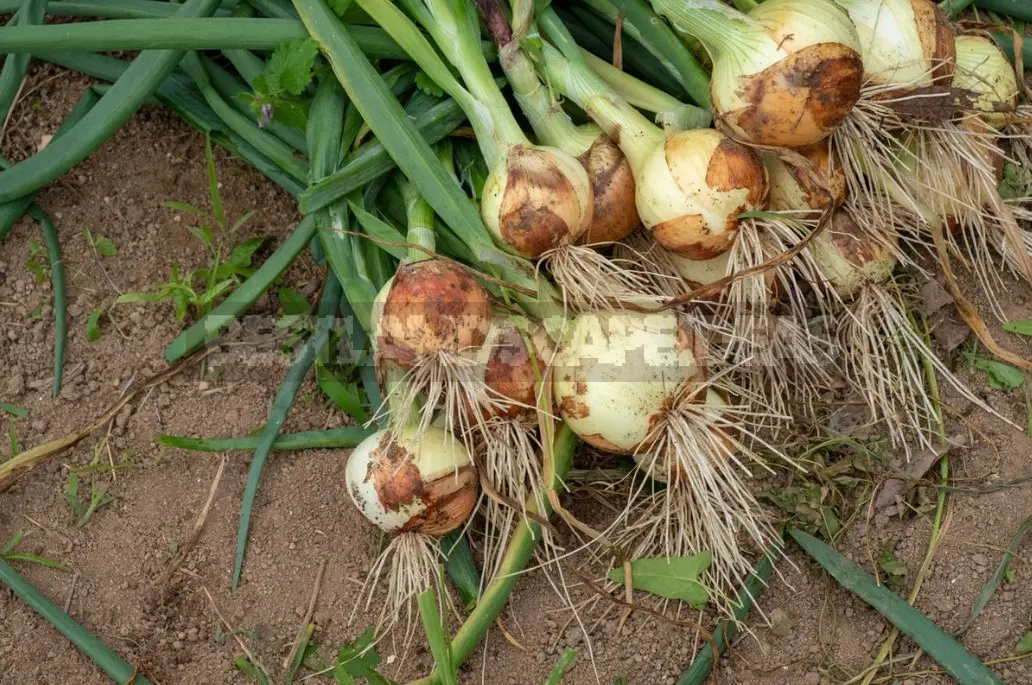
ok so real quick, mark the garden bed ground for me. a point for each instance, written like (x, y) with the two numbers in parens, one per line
(821, 634)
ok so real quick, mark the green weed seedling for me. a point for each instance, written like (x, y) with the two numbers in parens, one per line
(8, 553)
(196, 292)
(84, 505)
(37, 263)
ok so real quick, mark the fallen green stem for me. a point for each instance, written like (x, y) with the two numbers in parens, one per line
(346, 436)
(278, 414)
(117, 668)
(58, 281)
(950, 654)
(105, 9)
(727, 631)
(215, 33)
(15, 66)
(435, 637)
(987, 591)
(1015, 9)
(134, 86)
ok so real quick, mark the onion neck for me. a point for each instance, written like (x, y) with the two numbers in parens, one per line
(551, 124)
(723, 30)
(419, 218)
(456, 29)
(636, 135)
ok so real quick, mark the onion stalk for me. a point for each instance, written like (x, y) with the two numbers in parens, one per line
(690, 186)
(536, 197)
(786, 74)
(416, 486)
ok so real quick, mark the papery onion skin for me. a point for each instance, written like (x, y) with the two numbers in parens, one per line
(510, 370)
(984, 69)
(903, 42)
(614, 215)
(432, 306)
(693, 187)
(850, 258)
(615, 373)
(793, 189)
(537, 199)
(796, 89)
(413, 483)
(700, 272)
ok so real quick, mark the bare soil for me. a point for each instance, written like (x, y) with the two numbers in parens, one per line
(820, 633)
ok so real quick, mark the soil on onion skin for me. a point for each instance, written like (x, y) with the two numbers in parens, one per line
(821, 633)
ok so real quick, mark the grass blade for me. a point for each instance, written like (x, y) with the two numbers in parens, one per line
(346, 436)
(135, 85)
(57, 278)
(242, 298)
(216, 33)
(14, 410)
(115, 666)
(727, 631)
(987, 591)
(950, 654)
(435, 636)
(280, 406)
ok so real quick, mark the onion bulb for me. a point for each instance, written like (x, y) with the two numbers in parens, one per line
(430, 306)
(850, 258)
(906, 43)
(793, 188)
(407, 482)
(510, 365)
(787, 73)
(984, 69)
(690, 186)
(615, 373)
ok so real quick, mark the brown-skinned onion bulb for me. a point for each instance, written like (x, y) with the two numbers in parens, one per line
(787, 73)
(690, 186)
(510, 364)
(413, 483)
(795, 188)
(430, 306)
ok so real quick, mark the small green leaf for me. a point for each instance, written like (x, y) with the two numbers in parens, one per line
(105, 247)
(213, 185)
(243, 253)
(1010, 575)
(14, 410)
(93, 331)
(1001, 376)
(203, 233)
(243, 220)
(293, 302)
(12, 542)
(346, 396)
(289, 70)
(669, 577)
(1025, 645)
(427, 85)
(184, 207)
(1019, 327)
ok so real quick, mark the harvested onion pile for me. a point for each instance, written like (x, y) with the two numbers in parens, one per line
(686, 267)
(713, 287)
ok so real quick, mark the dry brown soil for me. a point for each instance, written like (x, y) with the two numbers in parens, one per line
(821, 633)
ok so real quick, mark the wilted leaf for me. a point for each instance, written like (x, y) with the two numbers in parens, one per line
(669, 577)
